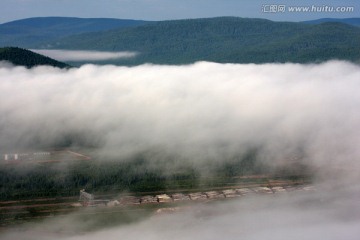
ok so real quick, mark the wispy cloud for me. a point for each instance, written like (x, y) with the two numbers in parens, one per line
(73, 56)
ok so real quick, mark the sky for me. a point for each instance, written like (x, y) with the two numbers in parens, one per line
(171, 9)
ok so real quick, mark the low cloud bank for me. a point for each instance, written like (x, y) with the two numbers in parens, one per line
(203, 112)
(79, 56)
(200, 112)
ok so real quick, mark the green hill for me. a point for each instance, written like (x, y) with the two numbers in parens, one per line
(350, 21)
(23, 57)
(30, 32)
(225, 39)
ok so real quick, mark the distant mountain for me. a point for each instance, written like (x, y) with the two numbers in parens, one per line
(23, 57)
(224, 39)
(351, 21)
(32, 31)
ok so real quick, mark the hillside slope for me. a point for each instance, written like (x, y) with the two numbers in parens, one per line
(225, 39)
(350, 21)
(23, 57)
(32, 31)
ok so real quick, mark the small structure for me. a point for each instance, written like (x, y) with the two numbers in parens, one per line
(230, 193)
(278, 189)
(113, 203)
(11, 157)
(197, 196)
(163, 198)
(214, 195)
(148, 199)
(180, 197)
(244, 191)
(26, 156)
(86, 199)
(129, 200)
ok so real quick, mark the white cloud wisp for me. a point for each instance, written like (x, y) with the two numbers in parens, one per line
(83, 56)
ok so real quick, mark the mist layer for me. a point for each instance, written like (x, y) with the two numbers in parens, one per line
(74, 56)
(199, 112)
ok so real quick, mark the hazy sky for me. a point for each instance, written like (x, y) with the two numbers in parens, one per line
(167, 9)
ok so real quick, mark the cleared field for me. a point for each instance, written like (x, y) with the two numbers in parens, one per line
(53, 156)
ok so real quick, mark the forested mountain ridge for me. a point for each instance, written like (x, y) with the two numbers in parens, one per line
(30, 32)
(220, 39)
(350, 21)
(224, 39)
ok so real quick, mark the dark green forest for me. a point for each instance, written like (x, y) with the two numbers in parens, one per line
(23, 57)
(138, 175)
(223, 40)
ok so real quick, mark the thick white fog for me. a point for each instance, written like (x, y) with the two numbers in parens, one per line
(205, 111)
(200, 111)
(77, 55)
